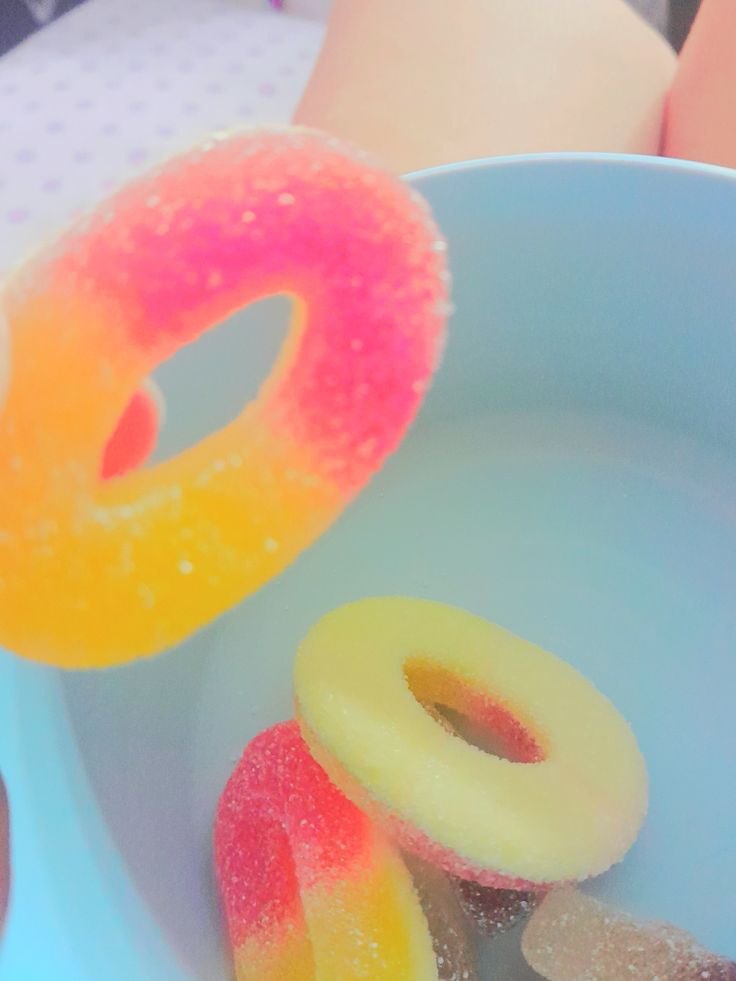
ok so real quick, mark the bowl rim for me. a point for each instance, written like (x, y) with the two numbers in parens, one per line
(588, 158)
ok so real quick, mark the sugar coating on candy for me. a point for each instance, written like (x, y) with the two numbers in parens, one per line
(465, 711)
(494, 911)
(159, 552)
(453, 949)
(278, 808)
(269, 213)
(573, 937)
(310, 888)
(565, 800)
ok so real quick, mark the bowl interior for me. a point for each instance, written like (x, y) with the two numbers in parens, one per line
(571, 477)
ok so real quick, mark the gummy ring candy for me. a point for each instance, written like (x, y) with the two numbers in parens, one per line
(4, 359)
(134, 438)
(567, 800)
(94, 573)
(311, 888)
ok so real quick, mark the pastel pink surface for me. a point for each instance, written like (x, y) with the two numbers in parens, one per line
(700, 122)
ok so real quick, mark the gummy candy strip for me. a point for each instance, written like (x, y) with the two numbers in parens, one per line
(94, 573)
(312, 890)
(573, 937)
(566, 802)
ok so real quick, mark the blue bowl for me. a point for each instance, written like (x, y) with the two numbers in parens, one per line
(572, 477)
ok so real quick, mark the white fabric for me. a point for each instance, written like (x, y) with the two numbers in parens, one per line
(117, 85)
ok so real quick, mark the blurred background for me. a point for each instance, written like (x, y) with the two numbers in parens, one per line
(20, 18)
(93, 92)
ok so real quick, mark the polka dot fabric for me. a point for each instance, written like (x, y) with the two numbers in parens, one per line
(113, 87)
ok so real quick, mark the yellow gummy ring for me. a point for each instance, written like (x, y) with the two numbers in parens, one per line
(363, 677)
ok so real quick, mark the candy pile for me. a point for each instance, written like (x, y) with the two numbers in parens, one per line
(312, 825)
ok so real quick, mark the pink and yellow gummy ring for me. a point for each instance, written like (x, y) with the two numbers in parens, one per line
(96, 572)
(563, 800)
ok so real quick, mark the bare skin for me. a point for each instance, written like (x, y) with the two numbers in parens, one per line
(425, 82)
(701, 123)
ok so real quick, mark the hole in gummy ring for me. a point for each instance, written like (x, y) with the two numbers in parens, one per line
(204, 386)
(470, 714)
